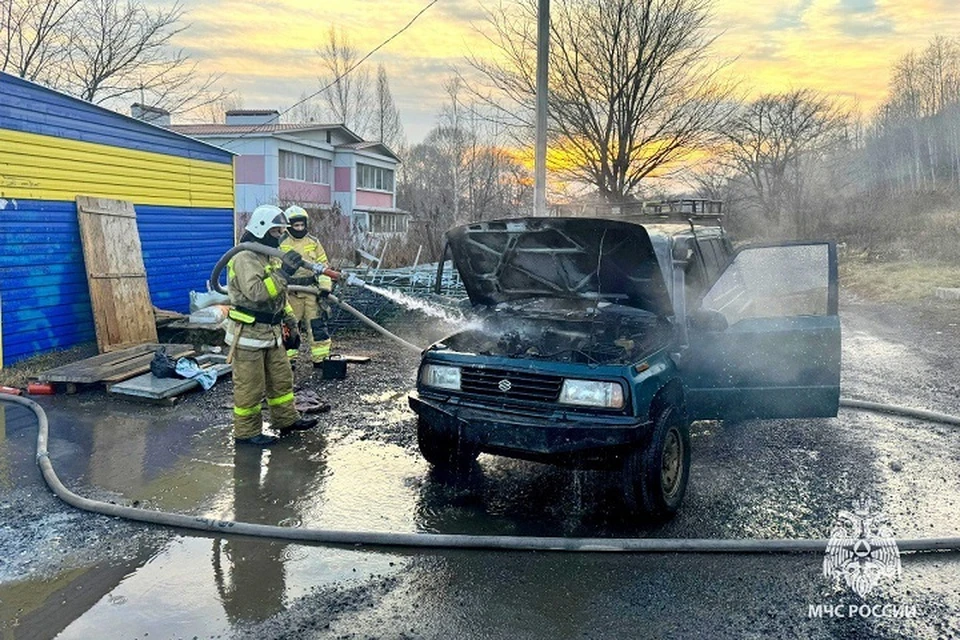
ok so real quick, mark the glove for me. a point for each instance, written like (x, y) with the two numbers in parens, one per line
(324, 293)
(290, 262)
(291, 334)
(355, 281)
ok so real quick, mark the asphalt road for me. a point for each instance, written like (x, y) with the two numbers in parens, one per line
(68, 574)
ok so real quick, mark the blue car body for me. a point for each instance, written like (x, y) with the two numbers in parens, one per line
(669, 313)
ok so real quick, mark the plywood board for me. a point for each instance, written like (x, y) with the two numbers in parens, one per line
(114, 366)
(151, 387)
(122, 311)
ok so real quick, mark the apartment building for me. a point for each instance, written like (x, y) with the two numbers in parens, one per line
(318, 166)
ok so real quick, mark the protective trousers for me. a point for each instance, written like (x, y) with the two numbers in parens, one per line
(308, 313)
(255, 372)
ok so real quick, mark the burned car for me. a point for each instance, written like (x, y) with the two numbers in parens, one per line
(598, 341)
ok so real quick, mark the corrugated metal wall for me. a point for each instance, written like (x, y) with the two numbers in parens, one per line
(53, 148)
(180, 248)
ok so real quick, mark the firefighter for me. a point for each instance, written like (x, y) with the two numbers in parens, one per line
(258, 318)
(309, 311)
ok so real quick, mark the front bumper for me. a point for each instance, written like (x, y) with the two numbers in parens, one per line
(558, 437)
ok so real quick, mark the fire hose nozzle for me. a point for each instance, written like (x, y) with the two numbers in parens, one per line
(355, 281)
(323, 270)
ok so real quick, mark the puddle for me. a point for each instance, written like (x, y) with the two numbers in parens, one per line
(362, 489)
(229, 583)
(362, 472)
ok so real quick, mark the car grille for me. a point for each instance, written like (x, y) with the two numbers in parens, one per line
(518, 385)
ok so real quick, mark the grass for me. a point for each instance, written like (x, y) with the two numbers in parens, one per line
(896, 281)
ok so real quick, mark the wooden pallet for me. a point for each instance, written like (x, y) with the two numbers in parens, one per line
(114, 366)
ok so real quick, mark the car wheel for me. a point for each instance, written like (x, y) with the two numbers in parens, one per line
(443, 450)
(655, 476)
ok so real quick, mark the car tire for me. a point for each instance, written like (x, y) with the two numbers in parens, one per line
(444, 451)
(655, 475)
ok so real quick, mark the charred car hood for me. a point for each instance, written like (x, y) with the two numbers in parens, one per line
(585, 258)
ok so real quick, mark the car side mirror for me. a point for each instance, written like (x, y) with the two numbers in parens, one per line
(707, 320)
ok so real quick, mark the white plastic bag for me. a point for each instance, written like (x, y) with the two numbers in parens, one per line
(210, 315)
(202, 300)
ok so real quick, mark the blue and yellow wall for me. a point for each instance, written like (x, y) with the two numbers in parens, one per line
(53, 148)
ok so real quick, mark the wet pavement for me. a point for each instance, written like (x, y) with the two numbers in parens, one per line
(68, 574)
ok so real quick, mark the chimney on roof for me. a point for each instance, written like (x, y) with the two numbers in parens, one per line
(253, 116)
(153, 115)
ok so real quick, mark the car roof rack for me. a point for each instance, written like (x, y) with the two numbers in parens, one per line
(682, 210)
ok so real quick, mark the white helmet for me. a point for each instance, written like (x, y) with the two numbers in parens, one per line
(295, 211)
(264, 218)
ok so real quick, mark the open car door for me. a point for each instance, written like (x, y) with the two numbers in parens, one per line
(775, 353)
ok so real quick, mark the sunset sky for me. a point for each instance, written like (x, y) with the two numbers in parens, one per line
(268, 49)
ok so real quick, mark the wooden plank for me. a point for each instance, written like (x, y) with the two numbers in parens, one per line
(122, 311)
(116, 365)
(142, 364)
(163, 317)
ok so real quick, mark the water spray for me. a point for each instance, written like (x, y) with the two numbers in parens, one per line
(318, 268)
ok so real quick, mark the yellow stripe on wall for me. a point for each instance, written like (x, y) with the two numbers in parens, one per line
(41, 167)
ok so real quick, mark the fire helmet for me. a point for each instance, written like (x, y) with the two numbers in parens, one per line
(264, 218)
(296, 213)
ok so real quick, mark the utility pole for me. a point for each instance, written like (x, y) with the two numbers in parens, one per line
(540, 151)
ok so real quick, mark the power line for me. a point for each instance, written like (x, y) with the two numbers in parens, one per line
(338, 78)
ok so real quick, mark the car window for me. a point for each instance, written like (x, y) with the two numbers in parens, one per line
(695, 282)
(710, 258)
(766, 282)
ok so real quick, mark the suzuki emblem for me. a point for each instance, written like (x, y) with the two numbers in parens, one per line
(504, 385)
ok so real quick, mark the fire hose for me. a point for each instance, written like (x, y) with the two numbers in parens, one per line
(319, 269)
(453, 541)
(467, 541)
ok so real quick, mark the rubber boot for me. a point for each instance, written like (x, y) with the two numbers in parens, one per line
(259, 440)
(300, 425)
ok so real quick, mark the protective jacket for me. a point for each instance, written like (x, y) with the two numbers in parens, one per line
(312, 251)
(313, 313)
(258, 301)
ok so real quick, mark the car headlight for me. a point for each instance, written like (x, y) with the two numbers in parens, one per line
(592, 393)
(441, 377)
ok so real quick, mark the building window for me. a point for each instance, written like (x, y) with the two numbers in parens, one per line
(296, 166)
(370, 177)
(388, 223)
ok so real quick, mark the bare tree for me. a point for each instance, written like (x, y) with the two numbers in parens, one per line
(631, 89)
(461, 172)
(387, 123)
(104, 51)
(348, 97)
(771, 139)
(450, 138)
(216, 112)
(33, 37)
(305, 111)
(121, 50)
(915, 138)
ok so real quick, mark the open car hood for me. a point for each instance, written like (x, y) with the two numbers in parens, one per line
(579, 258)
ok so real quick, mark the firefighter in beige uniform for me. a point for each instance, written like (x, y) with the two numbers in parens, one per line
(258, 312)
(306, 308)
